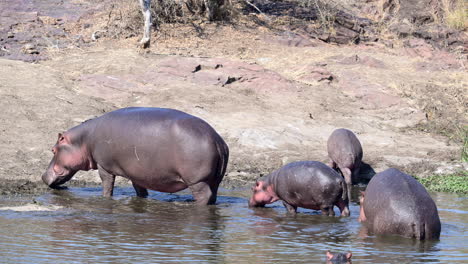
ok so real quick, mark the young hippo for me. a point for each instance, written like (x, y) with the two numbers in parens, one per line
(307, 184)
(396, 203)
(345, 153)
(339, 258)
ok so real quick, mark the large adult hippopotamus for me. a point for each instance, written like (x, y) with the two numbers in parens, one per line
(307, 184)
(159, 149)
(396, 203)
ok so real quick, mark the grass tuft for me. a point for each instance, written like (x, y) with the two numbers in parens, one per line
(454, 183)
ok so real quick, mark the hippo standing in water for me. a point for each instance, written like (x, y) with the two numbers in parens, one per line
(339, 258)
(155, 148)
(396, 203)
(345, 153)
(307, 184)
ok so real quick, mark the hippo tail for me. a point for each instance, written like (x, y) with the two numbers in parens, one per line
(223, 151)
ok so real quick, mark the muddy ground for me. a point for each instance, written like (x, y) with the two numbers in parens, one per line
(275, 96)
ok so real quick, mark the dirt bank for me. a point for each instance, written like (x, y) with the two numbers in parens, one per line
(273, 100)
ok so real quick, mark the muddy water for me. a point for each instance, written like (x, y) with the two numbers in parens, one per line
(79, 226)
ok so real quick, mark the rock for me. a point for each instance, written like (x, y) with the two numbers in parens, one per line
(29, 48)
(48, 20)
(364, 60)
(315, 74)
(10, 34)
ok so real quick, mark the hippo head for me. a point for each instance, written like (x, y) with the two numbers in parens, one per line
(339, 257)
(263, 193)
(68, 159)
(362, 216)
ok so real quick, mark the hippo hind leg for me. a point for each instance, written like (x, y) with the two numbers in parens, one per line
(343, 205)
(140, 191)
(349, 182)
(203, 193)
(327, 210)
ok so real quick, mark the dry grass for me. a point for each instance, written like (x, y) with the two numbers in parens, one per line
(455, 13)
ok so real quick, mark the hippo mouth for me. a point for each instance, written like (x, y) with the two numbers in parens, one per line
(59, 180)
(254, 204)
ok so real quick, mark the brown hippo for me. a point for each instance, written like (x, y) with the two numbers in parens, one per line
(155, 148)
(396, 203)
(345, 153)
(307, 184)
(339, 258)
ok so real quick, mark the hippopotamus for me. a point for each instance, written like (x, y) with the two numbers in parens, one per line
(345, 153)
(396, 203)
(339, 258)
(307, 184)
(159, 149)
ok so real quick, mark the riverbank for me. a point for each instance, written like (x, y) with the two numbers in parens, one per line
(275, 94)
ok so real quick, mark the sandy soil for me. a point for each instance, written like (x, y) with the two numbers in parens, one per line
(273, 99)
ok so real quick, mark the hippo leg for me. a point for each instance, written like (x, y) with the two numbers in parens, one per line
(344, 207)
(327, 210)
(203, 193)
(291, 209)
(140, 191)
(347, 176)
(107, 182)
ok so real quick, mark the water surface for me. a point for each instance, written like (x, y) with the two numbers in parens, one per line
(83, 227)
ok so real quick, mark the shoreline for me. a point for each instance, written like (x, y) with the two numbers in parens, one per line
(455, 182)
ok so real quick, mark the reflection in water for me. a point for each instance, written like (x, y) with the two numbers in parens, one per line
(167, 228)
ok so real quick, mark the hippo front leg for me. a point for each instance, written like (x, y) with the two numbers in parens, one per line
(140, 191)
(108, 181)
(291, 209)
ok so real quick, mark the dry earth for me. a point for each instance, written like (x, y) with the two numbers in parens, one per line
(274, 97)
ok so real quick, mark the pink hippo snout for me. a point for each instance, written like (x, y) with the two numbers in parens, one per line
(262, 194)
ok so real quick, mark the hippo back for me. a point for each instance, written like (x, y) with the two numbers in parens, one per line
(307, 178)
(344, 148)
(397, 203)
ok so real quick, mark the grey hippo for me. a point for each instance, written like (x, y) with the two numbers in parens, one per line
(396, 203)
(345, 153)
(339, 258)
(307, 184)
(159, 149)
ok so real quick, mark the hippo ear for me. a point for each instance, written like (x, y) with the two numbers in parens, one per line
(349, 255)
(329, 255)
(62, 138)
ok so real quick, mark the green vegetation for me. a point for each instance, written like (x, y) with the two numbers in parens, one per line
(464, 152)
(454, 183)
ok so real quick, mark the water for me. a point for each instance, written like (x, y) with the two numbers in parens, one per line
(83, 227)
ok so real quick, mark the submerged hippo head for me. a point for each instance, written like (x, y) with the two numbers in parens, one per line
(68, 159)
(263, 193)
(339, 257)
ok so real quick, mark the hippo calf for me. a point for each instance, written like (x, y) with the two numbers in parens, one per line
(345, 153)
(396, 203)
(339, 258)
(307, 184)
(160, 149)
